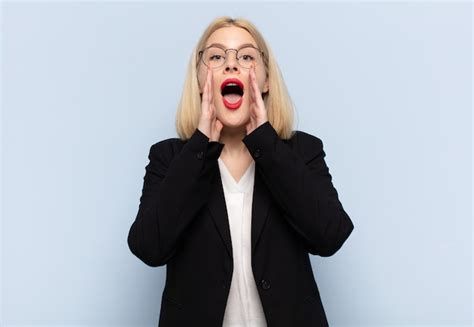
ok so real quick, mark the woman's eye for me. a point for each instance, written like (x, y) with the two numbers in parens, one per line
(216, 57)
(247, 57)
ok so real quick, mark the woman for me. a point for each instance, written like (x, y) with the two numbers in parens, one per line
(234, 206)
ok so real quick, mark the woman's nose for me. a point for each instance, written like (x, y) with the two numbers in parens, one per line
(231, 64)
(231, 67)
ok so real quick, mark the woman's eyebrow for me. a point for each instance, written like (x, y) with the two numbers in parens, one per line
(220, 45)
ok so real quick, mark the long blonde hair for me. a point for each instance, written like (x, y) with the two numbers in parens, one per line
(280, 108)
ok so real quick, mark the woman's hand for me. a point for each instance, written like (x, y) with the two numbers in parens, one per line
(208, 122)
(258, 112)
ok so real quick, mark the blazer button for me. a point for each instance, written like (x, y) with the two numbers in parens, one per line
(256, 153)
(265, 284)
(200, 155)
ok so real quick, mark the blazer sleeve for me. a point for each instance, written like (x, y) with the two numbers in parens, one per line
(299, 180)
(175, 188)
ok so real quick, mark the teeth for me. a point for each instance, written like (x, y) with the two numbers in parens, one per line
(231, 84)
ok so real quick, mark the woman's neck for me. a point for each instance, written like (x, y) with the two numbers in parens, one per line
(232, 138)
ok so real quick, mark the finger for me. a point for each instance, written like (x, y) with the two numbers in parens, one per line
(205, 92)
(255, 80)
(252, 86)
(258, 94)
(211, 88)
(209, 81)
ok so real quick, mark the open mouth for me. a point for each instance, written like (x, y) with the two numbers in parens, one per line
(232, 91)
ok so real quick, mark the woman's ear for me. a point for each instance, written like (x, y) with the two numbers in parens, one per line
(200, 89)
(198, 81)
(266, 86)
(198, 84)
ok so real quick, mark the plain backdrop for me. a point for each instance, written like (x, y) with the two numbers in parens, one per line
(88, 87)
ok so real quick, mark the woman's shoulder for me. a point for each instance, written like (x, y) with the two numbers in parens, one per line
(165, 149)
(307, 144)
(305, 139)
(305, 136)
(168, 142)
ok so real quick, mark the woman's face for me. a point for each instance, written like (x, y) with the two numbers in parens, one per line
(232, 37)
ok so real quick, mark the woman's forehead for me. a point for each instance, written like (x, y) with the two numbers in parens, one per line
(231, 37)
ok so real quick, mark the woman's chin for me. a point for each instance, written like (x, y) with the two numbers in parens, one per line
(234, 122)
(230, 125)
(233, 117)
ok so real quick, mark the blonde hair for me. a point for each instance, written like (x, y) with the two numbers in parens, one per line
(280, 109)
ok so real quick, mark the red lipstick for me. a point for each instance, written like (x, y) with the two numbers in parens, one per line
(228, 104)
(232, 80)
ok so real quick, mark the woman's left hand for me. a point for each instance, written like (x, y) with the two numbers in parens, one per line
(258, 112)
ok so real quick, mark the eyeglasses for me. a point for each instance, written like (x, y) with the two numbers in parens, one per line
(215, 57)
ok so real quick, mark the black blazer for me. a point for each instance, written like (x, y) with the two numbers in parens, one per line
(182, 223)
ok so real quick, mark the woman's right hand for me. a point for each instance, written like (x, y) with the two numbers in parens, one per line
(208, 122)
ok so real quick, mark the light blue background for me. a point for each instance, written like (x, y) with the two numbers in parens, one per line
(88, 87)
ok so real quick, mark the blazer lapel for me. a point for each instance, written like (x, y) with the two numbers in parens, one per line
(218, 209)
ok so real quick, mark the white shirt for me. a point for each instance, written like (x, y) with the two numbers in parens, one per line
(244, 308)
